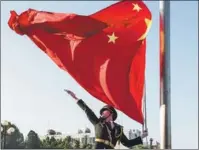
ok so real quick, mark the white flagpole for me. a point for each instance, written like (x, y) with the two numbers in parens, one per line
(165, 104)
(144, 126)
(145, 114)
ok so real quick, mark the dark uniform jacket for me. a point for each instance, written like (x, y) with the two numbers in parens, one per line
(105, 137)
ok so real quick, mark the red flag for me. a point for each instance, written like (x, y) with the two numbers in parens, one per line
(104, 52)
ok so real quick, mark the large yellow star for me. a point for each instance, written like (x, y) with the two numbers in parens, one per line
(112, 38)
(137, 7)
(148, 24)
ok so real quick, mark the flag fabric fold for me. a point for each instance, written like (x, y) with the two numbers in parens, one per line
(104, 52)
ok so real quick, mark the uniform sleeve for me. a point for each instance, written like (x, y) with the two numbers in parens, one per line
(129, 143)
(90, 114)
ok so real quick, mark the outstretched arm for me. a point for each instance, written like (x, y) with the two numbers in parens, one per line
(130, 143)
(90, 114)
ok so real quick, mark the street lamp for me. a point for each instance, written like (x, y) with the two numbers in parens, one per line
(6, 130)
(151, 143)
(1, 134)
(10, 130)
(5, 123)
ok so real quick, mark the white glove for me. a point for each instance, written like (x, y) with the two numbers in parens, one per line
(144, 134)
(71, 94)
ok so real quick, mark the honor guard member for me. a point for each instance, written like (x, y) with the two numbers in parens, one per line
(107, 132)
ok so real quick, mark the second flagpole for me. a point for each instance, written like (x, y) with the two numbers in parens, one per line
(165, 100)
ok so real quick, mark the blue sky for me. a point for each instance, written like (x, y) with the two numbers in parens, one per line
(32, 85)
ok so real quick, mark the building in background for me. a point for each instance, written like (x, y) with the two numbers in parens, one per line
(85, 136)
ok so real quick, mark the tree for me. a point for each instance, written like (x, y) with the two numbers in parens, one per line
(68, 142)
(60, 144)
(140, 147)
(45, 143)
(20, 141)
(83, 146)
(11, 137)
(32, 141)
(53, 143)
(49, 143)
(76, 144)
(89, 146)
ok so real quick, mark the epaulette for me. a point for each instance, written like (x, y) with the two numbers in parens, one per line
(118, 125)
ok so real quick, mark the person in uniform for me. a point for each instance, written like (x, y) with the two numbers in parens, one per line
(107, 132)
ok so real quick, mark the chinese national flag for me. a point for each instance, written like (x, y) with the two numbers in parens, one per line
(104, 52)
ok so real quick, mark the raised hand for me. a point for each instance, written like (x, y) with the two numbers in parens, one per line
(71, 94)
(144, 134)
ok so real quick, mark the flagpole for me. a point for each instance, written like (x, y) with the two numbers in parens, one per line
(144, 126)
(145, 114)
(165, 104)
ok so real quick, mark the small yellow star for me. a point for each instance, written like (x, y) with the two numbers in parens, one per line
(137, 7)
(112, 38)
(148, 24)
